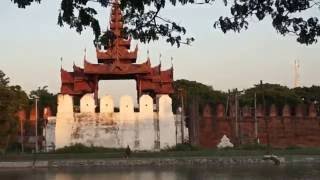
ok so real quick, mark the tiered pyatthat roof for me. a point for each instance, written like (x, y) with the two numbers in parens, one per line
(119, 50)
(117, 62)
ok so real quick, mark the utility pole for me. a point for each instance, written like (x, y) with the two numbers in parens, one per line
(36, 125)
(227, 104)
(36, 98)
(265, 120)
(21, 135)
(255, 117)
(236, 116)
(296, 81)
(182, 114)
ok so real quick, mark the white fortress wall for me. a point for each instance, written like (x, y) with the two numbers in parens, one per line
(139, 130)
(64, 121)
(87, 104)
(127, 123)
(166, 122)
(146, 123)
(108, 129)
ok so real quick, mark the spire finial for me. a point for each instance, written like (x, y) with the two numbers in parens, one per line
(61, 59)
(148, 55)
(160, 59)
(171, 61)
(85, 53)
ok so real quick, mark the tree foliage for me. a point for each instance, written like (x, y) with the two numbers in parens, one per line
(145, 23)
(46, 99)
(267, 94)
(195, 91)
(12, 99)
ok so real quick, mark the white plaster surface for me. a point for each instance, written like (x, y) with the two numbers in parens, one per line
(65, 104)
(50, 134)
(106, 104)
(127, 122)
(87, 104)
(166, 122)
(139, 130)
(146, 124)
(179, 131)
(64, 121)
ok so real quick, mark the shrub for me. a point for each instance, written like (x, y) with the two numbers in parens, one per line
(80, 148)
(252, 146)
(182, 147)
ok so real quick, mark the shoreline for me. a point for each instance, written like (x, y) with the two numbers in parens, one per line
(158, 162)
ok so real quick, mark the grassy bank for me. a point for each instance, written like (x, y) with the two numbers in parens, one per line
(79, 152)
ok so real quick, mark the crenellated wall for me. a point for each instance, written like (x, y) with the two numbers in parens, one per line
(147, 129)
(284, 127)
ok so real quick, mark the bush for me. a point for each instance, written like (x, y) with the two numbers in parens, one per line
(182, 147)
(80, 148)
(252, 146)
(292, 147)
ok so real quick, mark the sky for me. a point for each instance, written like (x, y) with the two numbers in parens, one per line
(32, 44)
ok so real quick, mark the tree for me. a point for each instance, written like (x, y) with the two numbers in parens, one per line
(45, 99)
(194, 90)
(145, 23)
(308, 94)
(273, 94)
(12, 99)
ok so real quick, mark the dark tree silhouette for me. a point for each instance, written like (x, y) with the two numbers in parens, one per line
(145, 23)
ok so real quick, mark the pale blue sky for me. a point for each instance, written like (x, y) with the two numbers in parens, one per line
(32, 44)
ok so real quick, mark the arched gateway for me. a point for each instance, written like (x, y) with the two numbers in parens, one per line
(150, 127)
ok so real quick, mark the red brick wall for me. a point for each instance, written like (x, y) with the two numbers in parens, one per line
(298, 128)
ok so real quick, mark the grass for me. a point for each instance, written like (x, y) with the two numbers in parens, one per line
(180, 151)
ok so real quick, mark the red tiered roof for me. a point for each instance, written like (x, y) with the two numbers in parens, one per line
(117, 62)
(120, 49)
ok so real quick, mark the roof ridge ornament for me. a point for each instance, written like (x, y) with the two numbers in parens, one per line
(61, 59)
(160, 60)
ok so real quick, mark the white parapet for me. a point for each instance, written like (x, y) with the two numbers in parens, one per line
(64, 121)
(143, 130)
(127, 123)
(65, 104)
(166, 122)
(106, 104)
(87, 103)
(146, 124)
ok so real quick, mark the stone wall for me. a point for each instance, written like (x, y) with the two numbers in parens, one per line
(147, 129)
(284, 127)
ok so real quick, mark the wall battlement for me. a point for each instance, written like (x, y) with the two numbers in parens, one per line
(300, 110)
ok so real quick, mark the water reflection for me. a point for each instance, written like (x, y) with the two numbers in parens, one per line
(311, 171)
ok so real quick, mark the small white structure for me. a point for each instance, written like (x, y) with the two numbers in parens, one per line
(147, 129)
(224, 143)
(181, 128)
(49, 134)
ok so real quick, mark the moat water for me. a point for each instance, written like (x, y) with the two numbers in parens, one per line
(308, 171)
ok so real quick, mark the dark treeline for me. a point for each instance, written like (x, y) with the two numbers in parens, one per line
(266, 94)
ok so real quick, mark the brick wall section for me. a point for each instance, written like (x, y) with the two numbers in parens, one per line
(298, 126)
